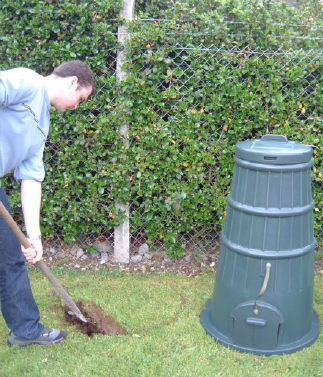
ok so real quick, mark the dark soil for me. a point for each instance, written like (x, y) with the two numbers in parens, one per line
(98, 322)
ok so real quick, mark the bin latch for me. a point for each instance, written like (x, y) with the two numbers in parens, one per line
(271, 137)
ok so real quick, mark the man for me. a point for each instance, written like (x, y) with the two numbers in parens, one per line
(25, 100)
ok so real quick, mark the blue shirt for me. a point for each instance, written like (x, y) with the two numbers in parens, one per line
(24, 123)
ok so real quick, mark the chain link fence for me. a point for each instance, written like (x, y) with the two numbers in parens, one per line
(291, 54)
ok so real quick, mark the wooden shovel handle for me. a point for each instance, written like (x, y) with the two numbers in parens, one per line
(14, 227)
(41, 264)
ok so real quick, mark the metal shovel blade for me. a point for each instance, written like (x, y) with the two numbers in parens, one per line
(41, 264)
(60, 290)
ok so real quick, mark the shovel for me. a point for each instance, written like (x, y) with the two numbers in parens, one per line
(41, 264)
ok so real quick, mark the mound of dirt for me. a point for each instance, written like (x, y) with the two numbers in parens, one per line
(98, 322)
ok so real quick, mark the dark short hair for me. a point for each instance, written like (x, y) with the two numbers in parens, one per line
(80, 70)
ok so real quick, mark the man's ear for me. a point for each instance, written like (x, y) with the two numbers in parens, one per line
(73, 81)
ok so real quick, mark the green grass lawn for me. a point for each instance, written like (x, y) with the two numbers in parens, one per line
(161, 314)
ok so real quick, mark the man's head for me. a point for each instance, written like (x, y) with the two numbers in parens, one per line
(70, 83)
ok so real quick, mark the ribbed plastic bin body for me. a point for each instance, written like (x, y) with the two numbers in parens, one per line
(263, 296)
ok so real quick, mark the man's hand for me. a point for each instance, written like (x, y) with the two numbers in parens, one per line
(34, 253)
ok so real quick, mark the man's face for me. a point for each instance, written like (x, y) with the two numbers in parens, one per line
(71, 95)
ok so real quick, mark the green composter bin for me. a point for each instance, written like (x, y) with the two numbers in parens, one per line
(263, 295)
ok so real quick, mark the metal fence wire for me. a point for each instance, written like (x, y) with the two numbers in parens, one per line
(289, 52)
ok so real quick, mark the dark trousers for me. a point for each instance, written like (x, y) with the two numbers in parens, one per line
(17, 302)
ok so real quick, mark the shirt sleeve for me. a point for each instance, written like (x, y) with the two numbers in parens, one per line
(14, 89)
(32, 168)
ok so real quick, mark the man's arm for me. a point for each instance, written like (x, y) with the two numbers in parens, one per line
(30, 201)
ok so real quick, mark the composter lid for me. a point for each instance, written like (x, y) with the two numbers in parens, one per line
(273, 149)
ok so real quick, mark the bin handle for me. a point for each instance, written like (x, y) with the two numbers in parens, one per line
(271, 137)
(263, 288)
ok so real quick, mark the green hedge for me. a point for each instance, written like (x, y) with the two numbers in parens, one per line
(81, 145)
(176, 171)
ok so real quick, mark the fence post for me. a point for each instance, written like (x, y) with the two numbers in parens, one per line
(121, 232)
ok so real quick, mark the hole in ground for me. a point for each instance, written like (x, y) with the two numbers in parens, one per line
(98, 322)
